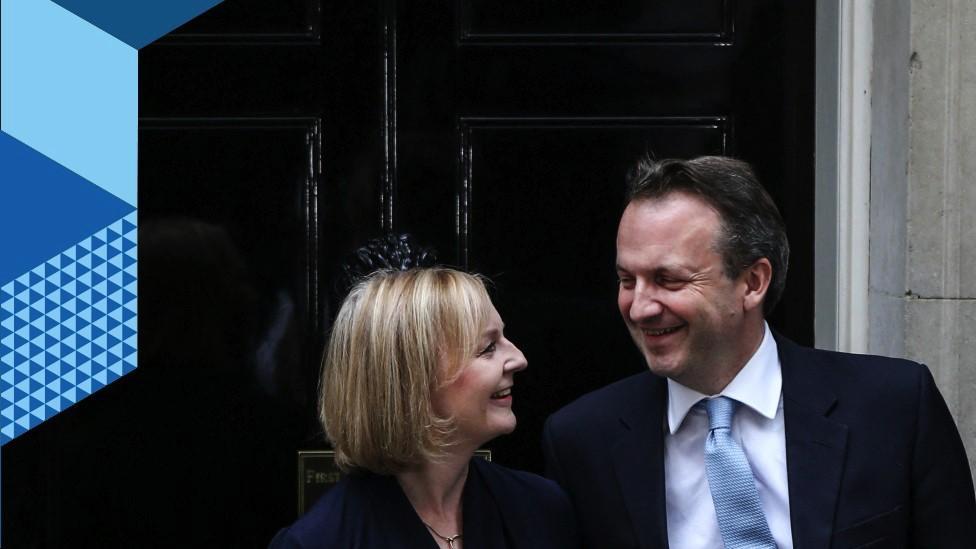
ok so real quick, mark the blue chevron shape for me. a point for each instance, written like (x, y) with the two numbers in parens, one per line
(137, 23)
(46, 208)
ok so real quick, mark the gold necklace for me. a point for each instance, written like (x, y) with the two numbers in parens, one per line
(450, 540)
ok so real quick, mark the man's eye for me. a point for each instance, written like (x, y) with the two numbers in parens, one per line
(670, 283)
(487, 350)
(625, 282)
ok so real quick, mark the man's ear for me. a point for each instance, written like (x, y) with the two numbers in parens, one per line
(756, 278)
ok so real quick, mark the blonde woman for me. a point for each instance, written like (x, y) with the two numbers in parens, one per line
(418, 374)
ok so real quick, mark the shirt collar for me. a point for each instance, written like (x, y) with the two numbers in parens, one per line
(758, 385)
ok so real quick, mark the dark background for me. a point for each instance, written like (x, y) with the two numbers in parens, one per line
(276, 137)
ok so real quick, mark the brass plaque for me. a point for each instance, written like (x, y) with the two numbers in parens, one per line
(317, 473)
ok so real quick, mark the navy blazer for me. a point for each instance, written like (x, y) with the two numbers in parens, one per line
(873, 457)
(502, 508)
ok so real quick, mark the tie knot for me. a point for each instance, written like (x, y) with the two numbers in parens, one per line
(720, 412)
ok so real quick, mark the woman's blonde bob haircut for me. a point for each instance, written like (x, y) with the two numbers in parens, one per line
(398, 336)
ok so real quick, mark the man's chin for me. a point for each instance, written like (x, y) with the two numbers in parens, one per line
(662, 367)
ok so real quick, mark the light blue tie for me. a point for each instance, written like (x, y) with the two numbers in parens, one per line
(740, 517)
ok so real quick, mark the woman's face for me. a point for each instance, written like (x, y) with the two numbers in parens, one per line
(480, 399)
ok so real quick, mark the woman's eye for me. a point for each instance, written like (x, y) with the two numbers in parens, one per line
(487, 350)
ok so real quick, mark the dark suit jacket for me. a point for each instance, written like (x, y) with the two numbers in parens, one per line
(873, 457)
(502, 508)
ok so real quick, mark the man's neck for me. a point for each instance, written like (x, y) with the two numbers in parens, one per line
(752, 338)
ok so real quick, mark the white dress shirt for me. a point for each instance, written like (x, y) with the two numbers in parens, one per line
(757, 427)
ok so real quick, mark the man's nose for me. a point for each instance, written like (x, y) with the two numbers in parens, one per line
(646, 304)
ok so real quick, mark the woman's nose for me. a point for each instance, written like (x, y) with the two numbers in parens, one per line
(517, 362)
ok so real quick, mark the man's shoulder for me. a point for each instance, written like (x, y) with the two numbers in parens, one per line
(609, 403)
(846, 365)
(843, 374)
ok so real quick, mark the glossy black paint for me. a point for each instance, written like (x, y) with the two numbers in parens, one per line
(276, 137)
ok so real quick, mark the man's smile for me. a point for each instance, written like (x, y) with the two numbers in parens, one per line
(661, 331)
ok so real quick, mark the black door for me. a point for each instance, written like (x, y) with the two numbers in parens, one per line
(278, 136)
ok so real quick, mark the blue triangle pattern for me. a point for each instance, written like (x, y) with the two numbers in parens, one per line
(68, 327)
(38, 324)
(37, 306)
(85, 315)
(52, 321)
(68, 290)
(52, 283)
(22, 310)
(84, 280)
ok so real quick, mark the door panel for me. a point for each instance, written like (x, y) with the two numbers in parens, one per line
(551, 21)
(546, 107)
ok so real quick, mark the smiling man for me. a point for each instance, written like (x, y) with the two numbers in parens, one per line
(736, 436)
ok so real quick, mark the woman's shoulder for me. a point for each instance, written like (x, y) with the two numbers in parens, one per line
(334, 520)
(534, 508)
(525, 488)
(318, 527)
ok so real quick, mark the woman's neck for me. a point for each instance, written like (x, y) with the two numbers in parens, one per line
(434, 490)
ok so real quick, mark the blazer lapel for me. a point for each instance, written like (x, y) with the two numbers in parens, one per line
(815, 448)
(638, 459)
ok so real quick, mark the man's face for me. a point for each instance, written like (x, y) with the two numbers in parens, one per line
(686, 316)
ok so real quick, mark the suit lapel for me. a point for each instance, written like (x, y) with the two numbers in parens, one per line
(638, 459)
(815, 447)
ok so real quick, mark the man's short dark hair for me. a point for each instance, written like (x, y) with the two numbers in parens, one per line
(752, 227)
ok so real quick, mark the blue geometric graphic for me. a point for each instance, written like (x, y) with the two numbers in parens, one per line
(45, 208)
(71, 92)
(68, 327)
(137, 22)
(68, 192)
(68, 124)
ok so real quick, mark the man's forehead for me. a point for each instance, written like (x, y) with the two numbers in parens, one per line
(667, 223)
(668, 203)
(679, 232)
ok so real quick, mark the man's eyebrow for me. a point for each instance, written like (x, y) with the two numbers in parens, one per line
(668, 267)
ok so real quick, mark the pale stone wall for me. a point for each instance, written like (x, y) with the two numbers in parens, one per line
(923, 195)
(941, 273)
